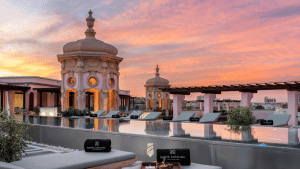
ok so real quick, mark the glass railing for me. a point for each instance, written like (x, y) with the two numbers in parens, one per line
(257, 135)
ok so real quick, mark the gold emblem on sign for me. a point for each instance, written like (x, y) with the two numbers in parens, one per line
(150, 150)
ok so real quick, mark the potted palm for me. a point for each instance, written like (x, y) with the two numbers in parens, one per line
(12, 133)
(240, 120)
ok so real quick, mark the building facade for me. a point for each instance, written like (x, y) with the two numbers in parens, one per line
(89, 66)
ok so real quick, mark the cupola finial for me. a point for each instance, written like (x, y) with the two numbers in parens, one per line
(157, 70)
(90, 33)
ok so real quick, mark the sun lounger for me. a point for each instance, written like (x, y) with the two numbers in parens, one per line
(100, 113)
(78, 160)
(134, 113)
(279, 120)
(184, 116)
(110, 114)
(210, 117)
(152, 116)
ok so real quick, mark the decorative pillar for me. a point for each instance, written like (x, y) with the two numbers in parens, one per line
(293, 107)
(163, 104)
(177, 129)
(209, 131)
(246, 99)
(49, 97)
(209, 103)
(62, 89)
(2, 99)
(118, 87)
(201, 106)
(227, 106)
(11, 100)
(177, 104)
(27, 98)
(7, 102)
(104, 92)
(24, 99)
(219, 106)
(80, 89)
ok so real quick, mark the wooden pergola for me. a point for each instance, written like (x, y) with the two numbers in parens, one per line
(251, 88)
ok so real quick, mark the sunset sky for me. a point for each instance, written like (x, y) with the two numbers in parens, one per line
(195, 43)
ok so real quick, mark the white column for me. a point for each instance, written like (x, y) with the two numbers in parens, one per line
(177, 104)
(246, 99)
(209, 131)
(227, 106)
(201, 106)
(177, 129)
(209, 102)
(7, 103)
(219, 106)
(293, 107)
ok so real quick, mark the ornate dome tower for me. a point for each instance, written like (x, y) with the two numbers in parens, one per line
(155, 98)
(90, 73)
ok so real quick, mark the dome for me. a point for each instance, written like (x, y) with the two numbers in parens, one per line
(90, 43)
(157, 80)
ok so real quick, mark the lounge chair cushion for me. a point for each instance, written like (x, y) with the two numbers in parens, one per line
(210, 117)
(135, 113)
(74, 160)
(279, 120)
(152, 116)
(109, 115)
(184, 116)
(100, 112)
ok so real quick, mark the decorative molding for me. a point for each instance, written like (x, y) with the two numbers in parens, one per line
(92, 75)
(92, 62)
(70, 63)
(71, 75)
(80, 64)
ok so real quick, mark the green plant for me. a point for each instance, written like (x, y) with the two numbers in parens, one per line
(240, 119)
(259, 107)
(11, 138)
(37, 110)
(74, 112)
(122, 108)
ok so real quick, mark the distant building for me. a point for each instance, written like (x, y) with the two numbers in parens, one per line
(157, 99)
(201, 97)
(269, 100)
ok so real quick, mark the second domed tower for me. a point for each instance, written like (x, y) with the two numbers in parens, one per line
(157, 99)
(90, 73)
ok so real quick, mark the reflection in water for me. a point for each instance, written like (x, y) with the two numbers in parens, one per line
(157, 128)
(277, 135)
(107, 124)
(178, 131)
(209, 131)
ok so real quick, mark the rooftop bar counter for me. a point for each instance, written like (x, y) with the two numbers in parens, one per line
(210, 144)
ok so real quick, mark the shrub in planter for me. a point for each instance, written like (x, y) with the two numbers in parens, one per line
(240, 119)
(85, 112)
(72, 112)
(11, 138)
(37, 110)
(122, 108)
